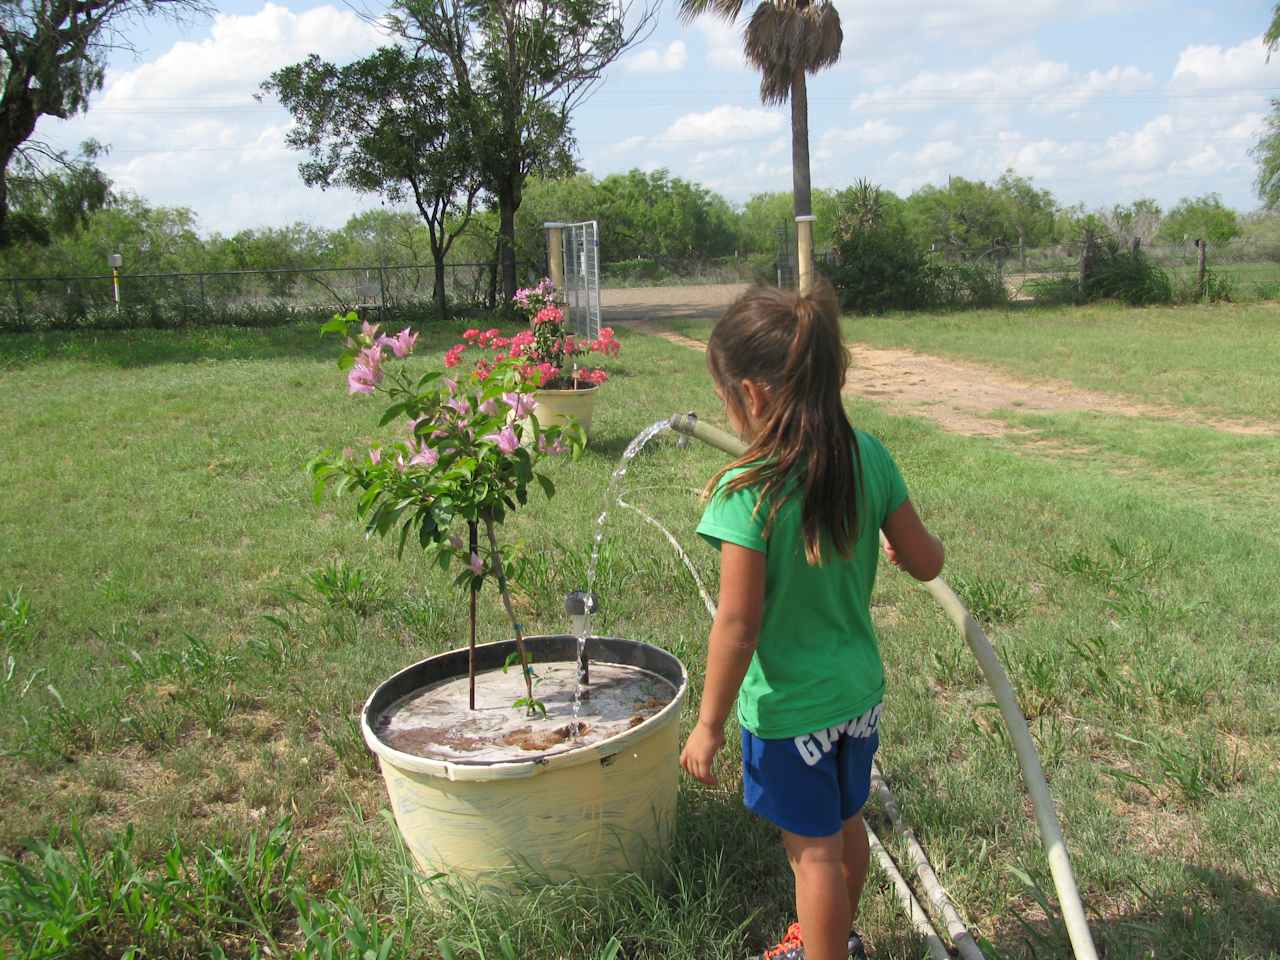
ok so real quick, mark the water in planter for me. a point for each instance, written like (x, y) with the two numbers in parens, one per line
(436, 721)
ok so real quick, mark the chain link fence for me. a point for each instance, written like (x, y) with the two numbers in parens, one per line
(246, 297)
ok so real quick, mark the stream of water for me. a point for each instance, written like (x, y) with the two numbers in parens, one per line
(583, 628)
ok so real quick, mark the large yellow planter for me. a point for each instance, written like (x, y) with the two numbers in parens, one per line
(600, 809)
(553, 408)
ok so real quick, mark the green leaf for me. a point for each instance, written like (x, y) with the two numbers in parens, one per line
(338, 324)
(393, 411)
(544, 481)
(347, 361)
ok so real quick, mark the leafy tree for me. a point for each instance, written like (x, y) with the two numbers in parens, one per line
(517, 69)
(1140, 219)
(761, 216)
(967, 218)
(657, 216)
(1204, 217)
(46, 201)
(1267, 150)
(52, 58)
(785, 40)
(381, 125)
(1029, 211)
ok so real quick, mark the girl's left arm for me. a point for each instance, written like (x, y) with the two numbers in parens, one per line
(732, 644)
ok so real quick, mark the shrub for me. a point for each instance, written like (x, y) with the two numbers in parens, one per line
(1129, 276)
(963, 285)
(878, 267)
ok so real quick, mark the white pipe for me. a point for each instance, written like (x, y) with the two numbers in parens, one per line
(937, 895)
(1029, 760)
(915, 913)
(1024, 747)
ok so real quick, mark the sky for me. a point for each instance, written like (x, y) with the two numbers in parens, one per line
(1099, 101)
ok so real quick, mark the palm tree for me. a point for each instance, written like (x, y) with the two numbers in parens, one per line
(785, 39)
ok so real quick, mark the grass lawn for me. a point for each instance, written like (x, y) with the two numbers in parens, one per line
(185, 641)
(1219, 359)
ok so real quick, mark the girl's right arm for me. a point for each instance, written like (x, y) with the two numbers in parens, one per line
(910, 545)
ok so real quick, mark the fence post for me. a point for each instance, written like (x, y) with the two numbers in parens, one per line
(17, 299)
(1086, 257)
(1200, 268)
(204, 304)
(1135, 245)
(382, 286)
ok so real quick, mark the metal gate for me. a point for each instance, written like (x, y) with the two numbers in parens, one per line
(582, 277)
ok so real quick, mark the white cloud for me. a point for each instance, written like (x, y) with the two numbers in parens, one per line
(1212, 67)
(1042, 83)
(724, 124)
(903, 23)
(185, 131)
(839, 141)
(724, 43)
(670, 60)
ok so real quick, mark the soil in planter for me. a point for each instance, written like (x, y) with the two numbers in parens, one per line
(437, 721)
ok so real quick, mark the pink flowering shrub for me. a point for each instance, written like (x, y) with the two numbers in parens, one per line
(545, 353)
(467, 453)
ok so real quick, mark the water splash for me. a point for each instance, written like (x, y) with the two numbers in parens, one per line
(582, 628)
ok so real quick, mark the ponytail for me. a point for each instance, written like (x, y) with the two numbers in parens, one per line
(790, 344)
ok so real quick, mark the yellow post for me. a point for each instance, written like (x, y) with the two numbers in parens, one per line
(555, 254)
(804, 251)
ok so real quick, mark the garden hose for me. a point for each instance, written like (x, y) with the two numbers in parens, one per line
(1024, 747)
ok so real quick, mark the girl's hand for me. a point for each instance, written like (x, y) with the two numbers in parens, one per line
(889, 553)
(700, 751)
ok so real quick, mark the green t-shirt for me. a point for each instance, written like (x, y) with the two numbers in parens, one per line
(817, 662)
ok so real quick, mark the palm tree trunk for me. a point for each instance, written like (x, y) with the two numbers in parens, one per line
(800, 144)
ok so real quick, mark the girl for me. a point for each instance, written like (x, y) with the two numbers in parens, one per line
(796, 520)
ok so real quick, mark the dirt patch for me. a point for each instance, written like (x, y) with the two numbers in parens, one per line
(664, 304)
(960, 397)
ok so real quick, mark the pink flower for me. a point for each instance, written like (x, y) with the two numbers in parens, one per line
(458, 405)
(548, 372)
(470, 334)
(489, 408)
(506, 440)
(369, 330)
(555, 448)
(453, 356)
(593, 376)
(548, 314)
(476, 564)
(521, 404)
(413, 425)
(375, 456)
(451, 384)
(367, 371)
(402, 344)
(424, 456)
(524, 338)
(400, 464)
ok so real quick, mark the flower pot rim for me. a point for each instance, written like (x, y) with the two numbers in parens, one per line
(585, 388)
(600, 751)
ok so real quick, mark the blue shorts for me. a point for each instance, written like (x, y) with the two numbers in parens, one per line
(811, 784)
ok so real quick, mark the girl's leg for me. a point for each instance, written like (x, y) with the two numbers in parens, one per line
(857, 857)
(822, 894)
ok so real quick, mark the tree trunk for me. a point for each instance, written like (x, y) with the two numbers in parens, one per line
(438, 291)
(493, 276)
(800, 145)
(507, 204)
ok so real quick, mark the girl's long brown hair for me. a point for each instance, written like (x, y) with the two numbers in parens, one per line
(790, 345)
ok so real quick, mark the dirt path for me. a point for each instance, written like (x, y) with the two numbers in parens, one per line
(959, 396)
